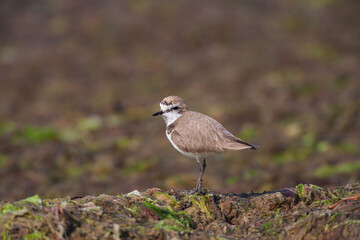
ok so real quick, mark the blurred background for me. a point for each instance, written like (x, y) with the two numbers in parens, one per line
(79, 81)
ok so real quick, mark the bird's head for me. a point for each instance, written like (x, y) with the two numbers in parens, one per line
(171, 108)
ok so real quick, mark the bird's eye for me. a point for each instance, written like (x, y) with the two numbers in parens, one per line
(175, 108)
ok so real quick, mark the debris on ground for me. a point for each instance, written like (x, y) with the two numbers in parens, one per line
(301, 212)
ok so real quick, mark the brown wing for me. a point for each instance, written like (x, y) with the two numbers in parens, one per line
(200, 133)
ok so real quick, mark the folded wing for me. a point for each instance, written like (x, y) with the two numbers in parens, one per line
(200, 133)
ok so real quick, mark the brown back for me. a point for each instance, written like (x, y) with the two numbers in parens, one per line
(199, 133)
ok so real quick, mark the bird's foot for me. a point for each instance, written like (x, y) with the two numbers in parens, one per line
(200, 190)
(197, 189)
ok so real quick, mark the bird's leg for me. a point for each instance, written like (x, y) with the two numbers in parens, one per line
(202, 170)
(198, 185)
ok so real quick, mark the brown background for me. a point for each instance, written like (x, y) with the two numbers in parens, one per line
(79, 81)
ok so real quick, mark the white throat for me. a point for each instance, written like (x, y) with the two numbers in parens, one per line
(170, 116)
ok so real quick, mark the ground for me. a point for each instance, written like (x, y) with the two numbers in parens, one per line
(301, 212)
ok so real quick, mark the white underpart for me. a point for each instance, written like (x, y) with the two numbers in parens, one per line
(188, 154)
(171, 116)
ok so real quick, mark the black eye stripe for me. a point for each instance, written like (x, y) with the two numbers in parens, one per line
(173, 108)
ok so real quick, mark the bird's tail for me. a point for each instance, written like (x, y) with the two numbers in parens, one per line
(238, 144)
(250, 146)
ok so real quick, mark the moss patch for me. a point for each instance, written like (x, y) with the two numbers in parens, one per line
(156, 214)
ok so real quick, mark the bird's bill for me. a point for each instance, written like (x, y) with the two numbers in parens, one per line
(158, 113)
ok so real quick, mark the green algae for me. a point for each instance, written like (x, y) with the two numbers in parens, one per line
(154, 214)
(180, 220)
(269, 229)
(344, 223)
(315, 187)
(18, 208)
(9, 208)
(323, 202)
(201, 201)
(163, 224)
(334, 216)
(33, 199)
(164, 197)
(300, 190)
(134, 210)
(35, 235)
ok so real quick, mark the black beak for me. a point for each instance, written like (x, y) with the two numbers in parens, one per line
(158, 113)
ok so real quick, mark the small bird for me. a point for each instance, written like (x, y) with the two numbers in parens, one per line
(196, 135)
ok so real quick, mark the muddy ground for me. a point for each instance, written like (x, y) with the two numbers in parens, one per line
(79, 81)
(301, 212)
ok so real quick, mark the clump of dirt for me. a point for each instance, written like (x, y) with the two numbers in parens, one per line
(301, 212)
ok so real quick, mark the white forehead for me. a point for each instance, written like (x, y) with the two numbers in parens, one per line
(165, 107)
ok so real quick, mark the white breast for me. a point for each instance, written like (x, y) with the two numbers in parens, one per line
(188, 154)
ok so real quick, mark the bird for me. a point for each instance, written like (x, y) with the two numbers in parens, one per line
(196, 135)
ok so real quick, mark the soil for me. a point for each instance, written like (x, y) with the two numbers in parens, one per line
(301, 212)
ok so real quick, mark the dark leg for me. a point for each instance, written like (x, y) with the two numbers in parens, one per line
(202, 170)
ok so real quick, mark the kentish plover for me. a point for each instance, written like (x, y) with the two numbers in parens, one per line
(196, 135)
